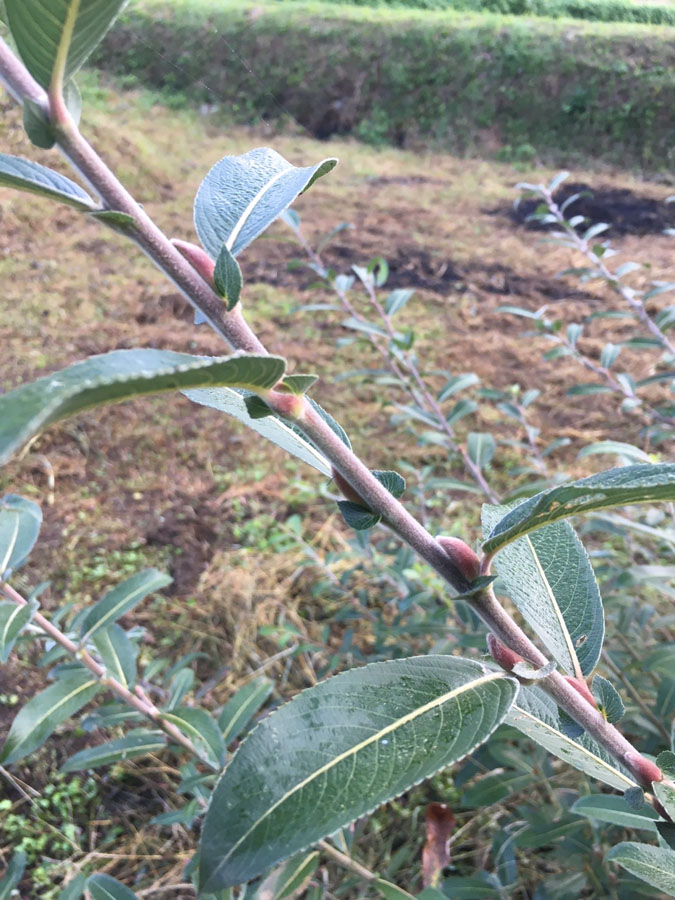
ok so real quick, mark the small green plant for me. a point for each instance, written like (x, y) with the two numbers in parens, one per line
(354, 741)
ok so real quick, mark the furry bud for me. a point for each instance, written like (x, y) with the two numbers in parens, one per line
(502, 654)
(347, 490)
(644, 768)
(198, 259)
(462, 556)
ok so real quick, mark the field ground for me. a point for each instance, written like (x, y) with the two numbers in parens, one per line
(161, 481)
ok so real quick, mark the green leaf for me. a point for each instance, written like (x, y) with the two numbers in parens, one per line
(242, 195)
(390, 892)
(13, 619)
(609, 701)
(289, 880)
(665, 793)
(396, 300)
(536, 716)
(356, 516)
(299, 384)
(655, 865)
(120, 220)
(13, 875)
(666, 762)
(117, 653)
(20, 522)
(39, 130)
(615, 810)
(240, 709)
(616, 487)
(138, 742)
(74, 889)
(120, 375)
(271, 428)
(550, 579)
(122, 598)
(618, 448)
(105, 887)
(52, 32)
(202, 730)
(184, 815)
(227, 277)
(481, 448)
(666, 832)
(339, 750)
(393, 482)
(456, 384)
(46, 711)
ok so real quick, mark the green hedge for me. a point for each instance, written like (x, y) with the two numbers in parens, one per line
(591, 10)
(460, 82)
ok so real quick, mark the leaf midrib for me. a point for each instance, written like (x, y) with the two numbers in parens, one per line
(567, 637)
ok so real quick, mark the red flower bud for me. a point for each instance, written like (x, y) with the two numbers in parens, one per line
(645, 769)
(198, 259)
(347, 490)
(502, 654)
(462, 555)
(582, 688)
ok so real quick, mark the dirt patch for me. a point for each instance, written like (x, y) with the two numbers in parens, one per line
(626, 211)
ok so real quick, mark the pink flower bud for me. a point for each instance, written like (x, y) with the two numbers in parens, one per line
(462, 556)
(198, 259)
(502, 654)
(347, 490)
(645, 769)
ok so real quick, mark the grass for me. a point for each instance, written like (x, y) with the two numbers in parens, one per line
(251, 539)
(467, 83)
(594, 10)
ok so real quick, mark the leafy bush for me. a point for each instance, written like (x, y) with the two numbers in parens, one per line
(601, 92)
(592, 10)
(351, 742)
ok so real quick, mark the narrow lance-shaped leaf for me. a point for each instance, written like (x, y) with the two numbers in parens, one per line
(74, 890)
(202, 730)
(105, 887)
(36, 179)
(340, 749)
(13, 619)
(13, 875)
(242, 195)
(655, 865)
(46, 711)
(290, 879)
(536, 716)
(550, 579)
(138, 742)
(117, 653)
(240, 709)
(614, 810)
(58, 32)
(121, 375)
(121, 599)
(616, 487)
(20, 522)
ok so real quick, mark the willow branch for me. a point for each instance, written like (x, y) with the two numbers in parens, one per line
(142, 705)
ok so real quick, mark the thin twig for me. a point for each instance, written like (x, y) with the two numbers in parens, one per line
(143, 706)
